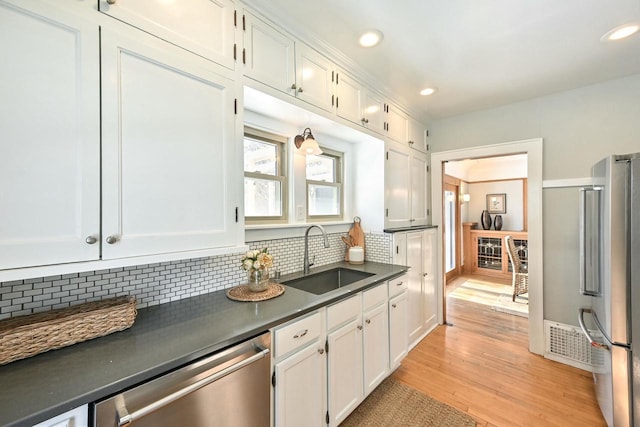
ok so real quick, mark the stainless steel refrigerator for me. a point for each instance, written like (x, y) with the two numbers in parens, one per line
(610, 275)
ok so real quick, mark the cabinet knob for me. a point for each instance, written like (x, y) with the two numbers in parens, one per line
(368, 321)
(294, 87)
(394, 306)
(90, 240)
(299, 89)
(321, 350)
(425, 274)
(111, 1)
(360, 327)
(112, 239)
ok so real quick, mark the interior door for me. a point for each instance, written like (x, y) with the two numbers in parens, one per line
(451, 226)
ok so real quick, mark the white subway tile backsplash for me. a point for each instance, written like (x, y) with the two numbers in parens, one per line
(157, 283)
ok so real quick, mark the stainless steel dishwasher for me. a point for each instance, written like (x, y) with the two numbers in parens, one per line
(230, 388)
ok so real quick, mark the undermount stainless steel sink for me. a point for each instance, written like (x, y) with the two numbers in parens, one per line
(326, 281)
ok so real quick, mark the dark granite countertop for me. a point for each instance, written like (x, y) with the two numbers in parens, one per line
(163, 338)
(411, 228)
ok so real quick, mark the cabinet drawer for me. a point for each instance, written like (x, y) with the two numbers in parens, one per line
(297, 334)
(343, 311)
(374, 297)
(398, 285)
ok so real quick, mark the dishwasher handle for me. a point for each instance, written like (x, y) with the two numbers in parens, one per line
(124, 418)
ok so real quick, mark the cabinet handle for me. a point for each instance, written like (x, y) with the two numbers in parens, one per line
(301, 334)
(360, 327)
(368, 321)
(90, 240)
(300, 90)
(294, 87)
(399, 283)
(111, 1)
(112, 239)
(393, 305)
(321, 350)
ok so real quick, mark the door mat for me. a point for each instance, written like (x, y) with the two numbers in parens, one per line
(396, 404)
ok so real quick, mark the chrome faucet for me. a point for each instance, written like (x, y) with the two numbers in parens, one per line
(307, 264)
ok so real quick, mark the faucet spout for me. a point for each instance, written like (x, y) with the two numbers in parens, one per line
(308, 264)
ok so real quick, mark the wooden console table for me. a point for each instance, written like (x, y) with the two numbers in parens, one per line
(486, 252)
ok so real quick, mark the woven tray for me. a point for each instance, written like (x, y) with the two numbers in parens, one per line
(26, 336)
(242, 293)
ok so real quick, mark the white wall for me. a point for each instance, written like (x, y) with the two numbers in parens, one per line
(579, 127)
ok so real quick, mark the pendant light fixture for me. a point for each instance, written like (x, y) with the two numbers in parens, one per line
(307, 144)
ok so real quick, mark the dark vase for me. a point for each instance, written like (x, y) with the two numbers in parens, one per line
(497, 222)
(485, 220)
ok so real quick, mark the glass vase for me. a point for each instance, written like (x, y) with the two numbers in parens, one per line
(258, 280)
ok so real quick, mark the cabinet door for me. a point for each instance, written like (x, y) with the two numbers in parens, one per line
(376, 344)
(417, 135)
(397, 329)
(300, 396)
(315, 77)
(204, 27)
(349, 99)
(418, 189)
(50, 136)
(269, 55)
(397, 186)
(396, 124)
(169, 168)
(373, 111)
(430, 292)
(344, 370)
(415, 306)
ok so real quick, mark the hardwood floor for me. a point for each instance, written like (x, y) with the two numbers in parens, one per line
(481, 365)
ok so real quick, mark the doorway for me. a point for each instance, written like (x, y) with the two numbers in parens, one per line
(533, 149)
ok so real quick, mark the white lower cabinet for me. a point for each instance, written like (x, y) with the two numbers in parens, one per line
(397, 321)
(77, 417)
(299, 375)
(376, 343)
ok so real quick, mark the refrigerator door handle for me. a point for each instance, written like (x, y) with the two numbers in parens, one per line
(588, 258)
(592, 341)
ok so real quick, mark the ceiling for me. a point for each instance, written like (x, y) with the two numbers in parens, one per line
(478, 54)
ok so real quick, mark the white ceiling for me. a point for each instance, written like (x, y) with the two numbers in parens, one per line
(479, 54)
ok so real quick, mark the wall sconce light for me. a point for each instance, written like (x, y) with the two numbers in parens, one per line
(306, 143)
(465, 198)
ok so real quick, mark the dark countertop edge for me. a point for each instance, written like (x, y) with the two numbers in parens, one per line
(411, 228)
(170, 365)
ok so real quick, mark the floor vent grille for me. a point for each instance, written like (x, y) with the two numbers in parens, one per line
(567, 344)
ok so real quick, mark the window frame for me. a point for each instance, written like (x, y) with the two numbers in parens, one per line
(280, 177)
(339, 184)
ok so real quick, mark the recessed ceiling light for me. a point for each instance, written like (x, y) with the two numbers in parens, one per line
(621, 32)
(427, 91)
(370, 38)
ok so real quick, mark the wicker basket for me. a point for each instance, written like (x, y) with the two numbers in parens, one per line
(27, 336)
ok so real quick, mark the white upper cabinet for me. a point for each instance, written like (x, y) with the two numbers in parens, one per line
(397, 176)
(269, 55)
(417, 135)
(315, 78)
(169, 180)
(204, 27)
(274, 59)
(419, 199)
(373, 111)
(397, 123)
(49, 136)
(349, 95)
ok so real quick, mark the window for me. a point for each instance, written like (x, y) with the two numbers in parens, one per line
(324, 185)
(264, 177)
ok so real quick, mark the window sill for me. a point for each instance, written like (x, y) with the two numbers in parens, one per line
(257, 232)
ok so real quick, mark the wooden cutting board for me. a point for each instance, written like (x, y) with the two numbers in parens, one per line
(356, 234)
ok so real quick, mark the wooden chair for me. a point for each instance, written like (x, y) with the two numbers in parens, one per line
(520, 280)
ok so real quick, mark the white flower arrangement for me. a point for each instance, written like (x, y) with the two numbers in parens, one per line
(257, 259)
